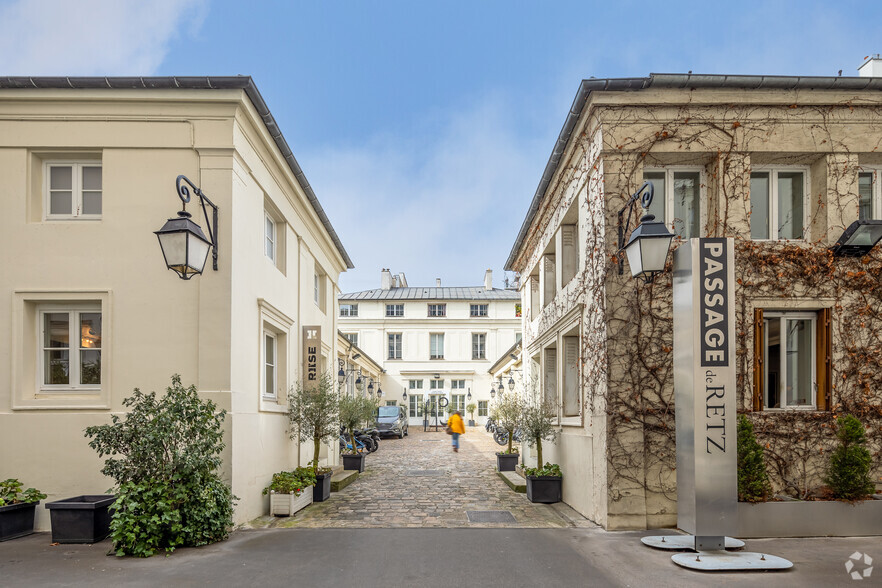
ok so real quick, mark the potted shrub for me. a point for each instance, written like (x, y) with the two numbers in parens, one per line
(18, 508)
(313, 416)
(848, 473)
(544, 483)
(353, 412)
(753, 479)
(290, 491)
(507, 414)
(165, 453)
(471, 408)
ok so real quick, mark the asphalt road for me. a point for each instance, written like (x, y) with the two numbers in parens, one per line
(420, 557)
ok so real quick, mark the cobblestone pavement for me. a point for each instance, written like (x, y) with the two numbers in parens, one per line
(419, 481)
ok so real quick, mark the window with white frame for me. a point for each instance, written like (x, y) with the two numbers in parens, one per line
(479, 346)
(457, 384)
(870, 194)
(348, 310)
(436, 384)
(777, 203)
(437, 310)
(352, 338)
(416, 405)
(70, 355)
(394, 310)
(436, 346)
(477, 310)
(270, 364)
(789, 348)
(394, 346)
(415, 385)
(269, 234)
(482, 408)
(677, 199)
(319, 285)
(73, 190)
(457, 403)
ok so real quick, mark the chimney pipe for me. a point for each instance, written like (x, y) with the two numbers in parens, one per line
(386, 279)
(872, 67)
(488, 279)
(437, 282)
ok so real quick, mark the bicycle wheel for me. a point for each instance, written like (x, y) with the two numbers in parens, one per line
(501, 437)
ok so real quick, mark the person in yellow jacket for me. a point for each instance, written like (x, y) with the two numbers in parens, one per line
(457, 427)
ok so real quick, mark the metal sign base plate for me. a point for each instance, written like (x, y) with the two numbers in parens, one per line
(683, 542)
(724, 561)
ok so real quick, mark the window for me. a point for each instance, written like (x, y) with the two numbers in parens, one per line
(677, 199)
(479, 346)
(457, 384)
(437, 310)
(792, 359)
(436, 384)
(870, 195)
(352, 338)
(394, 310)
(457, 402)
(777, 198)
(436, 346)
(518, 310)
(518, 337)
(415, 385)
(482, 408)
(319, 284)
(348, 310)
(476, 310)
(394, 346)
(317, 288)
(269, 364)
(70, 355)
(391, 403)
(73, 190)
(416, 405)
(269, 233)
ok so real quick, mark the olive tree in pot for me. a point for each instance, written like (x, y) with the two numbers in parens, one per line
(471, 408)
(544, 483)
(353, 412)
(507, 413)
(313, 416)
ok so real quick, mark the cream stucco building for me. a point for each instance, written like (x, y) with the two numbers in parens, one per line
(433, 342)
(781, 164)
(88, 168)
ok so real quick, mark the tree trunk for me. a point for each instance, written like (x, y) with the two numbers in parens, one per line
(510, 438)
(352, 440)
(315, 456)
(539, 450)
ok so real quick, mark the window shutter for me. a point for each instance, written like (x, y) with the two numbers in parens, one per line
(824, 360)
(571, 376)
(551, 375)
(759, 371)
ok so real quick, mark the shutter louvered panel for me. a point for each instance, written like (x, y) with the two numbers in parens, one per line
(571, 377)
(570, 256)
(759, 372)
(550, 375)
(824, 358)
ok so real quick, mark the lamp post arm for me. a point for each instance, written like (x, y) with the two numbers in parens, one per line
(184, 195)
(644, 194)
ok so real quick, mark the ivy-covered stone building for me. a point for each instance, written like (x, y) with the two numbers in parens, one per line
(782, 165)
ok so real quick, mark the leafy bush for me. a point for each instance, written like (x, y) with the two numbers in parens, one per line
(507, 412)
(354, 411)
(848, 474)
(313, 414)
(292, 482)
(753, 480)
(168, 491)
(549, 469)
(537, 424)
(11, 493)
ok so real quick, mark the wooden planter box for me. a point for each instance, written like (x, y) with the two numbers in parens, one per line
(286, 505)
(809, 519)
(17, 520)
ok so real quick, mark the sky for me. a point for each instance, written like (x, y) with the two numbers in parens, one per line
(424, 127)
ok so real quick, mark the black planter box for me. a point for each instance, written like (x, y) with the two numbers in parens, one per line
(544, 489)
(471, 423)
(507, 462)
(322, 489)
(17, 520)
(81, 519)
(353, 462)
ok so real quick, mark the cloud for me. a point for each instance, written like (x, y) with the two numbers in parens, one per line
(92, 37)
(445, 201)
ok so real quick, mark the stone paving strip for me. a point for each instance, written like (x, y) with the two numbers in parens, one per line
(420, 482)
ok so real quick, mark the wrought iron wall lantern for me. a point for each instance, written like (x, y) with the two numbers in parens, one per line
(858, 239)
(182, 241)
(342, 374)
(648, 246)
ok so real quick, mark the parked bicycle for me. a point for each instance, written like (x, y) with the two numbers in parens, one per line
(500, 435)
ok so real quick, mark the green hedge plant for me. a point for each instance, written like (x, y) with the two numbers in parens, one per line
(164, 456)
(848, 474)
(753, 479)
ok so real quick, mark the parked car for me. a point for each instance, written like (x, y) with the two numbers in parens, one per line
(392, 420)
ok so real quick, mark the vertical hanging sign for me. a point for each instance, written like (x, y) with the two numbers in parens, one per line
(704, 390)
(312, 345)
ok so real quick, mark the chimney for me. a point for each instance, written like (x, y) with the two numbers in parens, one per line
(872, 67)
(402, 281)
(488, 279)
(386, 279)
(437, 282)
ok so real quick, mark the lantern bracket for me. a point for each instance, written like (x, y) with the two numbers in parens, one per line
(644, 194)
(184, 195)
